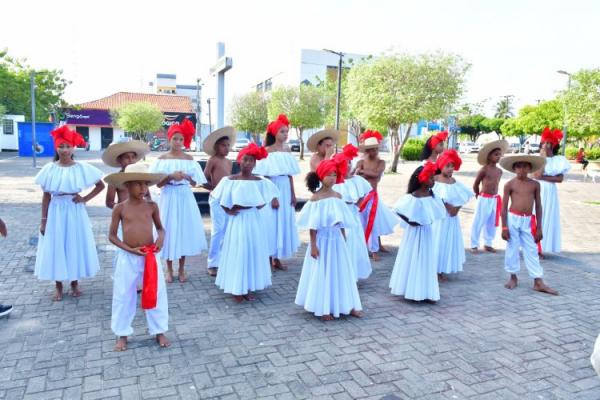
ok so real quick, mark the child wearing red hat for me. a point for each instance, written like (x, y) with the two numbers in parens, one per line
(554, 171)
(66, 248)
(184, 230)
(327, 285)
(244, 262)
(415, 271)
(447, 232)
(434, 146)
(280, 166)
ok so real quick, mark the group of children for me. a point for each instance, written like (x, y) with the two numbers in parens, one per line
(254, 226)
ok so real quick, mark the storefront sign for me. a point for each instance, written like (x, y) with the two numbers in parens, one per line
(88, 117)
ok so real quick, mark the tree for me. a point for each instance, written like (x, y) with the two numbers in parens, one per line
(471, 125)
(304, 106)
(583, 103)
(402, 89)
(15, 88)
(138, 119)
(2, 112)
(503, 108)
(492, 125)
(249, 114)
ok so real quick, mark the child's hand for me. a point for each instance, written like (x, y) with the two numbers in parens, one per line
(538, 236)
(232, 211)
(43, 227)
(505, 234)
(314, 251)
(275, 204)
(177, 175)
(137, 251)
(78, 199)
(3, 230)
(159, 244)
(293, 202)
(187, 178)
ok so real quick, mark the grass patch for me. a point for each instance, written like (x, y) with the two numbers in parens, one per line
(594, 203)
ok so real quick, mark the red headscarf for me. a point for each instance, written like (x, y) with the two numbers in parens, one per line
(187, 130)
(253, 150)
(552, 136)
(449, 156)
(438, 138)
(274, 126)
(339, 166)
(370, 134)
(65, 135)
(349, 151)
(427, 172)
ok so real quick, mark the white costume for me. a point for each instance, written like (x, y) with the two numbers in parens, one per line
(67, 250)
(352, 190)
(245, 263)
(217, 231)
(520, 229)
(129, 270)
(278, 167)
(415, 270)
(328, 283)
(551, 241)
(179, 213)
(487, 218)
(448, 236)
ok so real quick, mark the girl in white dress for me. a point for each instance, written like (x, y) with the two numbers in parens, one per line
(353, 189)
(327, 285)
(66, 248)
(184, 230)
(244, 265)
(447, 233)
(415, 271)
(556, 167)
(280, 166)
(434, 146)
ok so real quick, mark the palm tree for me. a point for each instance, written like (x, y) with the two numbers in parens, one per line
(503, 108)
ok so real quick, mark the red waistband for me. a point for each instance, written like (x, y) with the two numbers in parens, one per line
(520, 214)
(488, 196)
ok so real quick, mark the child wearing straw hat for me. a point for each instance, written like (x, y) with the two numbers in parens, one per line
(216, 145)
(489, 202)
(322, 144)
(137, 257)
(521, 228)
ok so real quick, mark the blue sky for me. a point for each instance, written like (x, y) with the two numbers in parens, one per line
(514, 47)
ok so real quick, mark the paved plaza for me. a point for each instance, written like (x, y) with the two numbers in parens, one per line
(480, 341)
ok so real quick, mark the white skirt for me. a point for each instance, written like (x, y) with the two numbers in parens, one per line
(415, 273)
(328, 284)
(551, 241)
(384, 223)
(244, 263)
(450, 245)
(357, 246)
(284, 220)
(67, 251)
(181, 219)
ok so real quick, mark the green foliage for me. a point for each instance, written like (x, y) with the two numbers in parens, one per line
(249, 113)
(492, 125)
(590, 154)
(510, 127)
(138, 119)
(571, 152)
(583, 103)
(2, 111)
(15, 88)
(503, 109)
(411, 151)
(471, 124)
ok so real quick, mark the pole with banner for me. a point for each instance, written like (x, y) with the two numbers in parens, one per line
(33, 137)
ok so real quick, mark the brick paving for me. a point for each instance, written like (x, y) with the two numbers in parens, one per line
(479, 342)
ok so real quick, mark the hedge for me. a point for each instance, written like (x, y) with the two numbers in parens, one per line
(590, 154)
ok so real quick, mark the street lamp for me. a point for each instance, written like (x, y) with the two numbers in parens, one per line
(209, 113)
(565, 123)
(339, 86)
(199, 85)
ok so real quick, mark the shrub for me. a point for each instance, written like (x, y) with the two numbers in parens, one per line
(571, 153)
(411, 152)
(592, 154)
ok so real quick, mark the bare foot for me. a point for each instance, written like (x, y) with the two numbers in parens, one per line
(182, 276)
(162, 340)
(238, 299)
(327, 317)
(541, 256)
(442, 278)
(540, 286)
(356, 313)
(169, 277)
(489, 249)
(249, 297)
(75, 292)
(474, 250)
(212, 272)
(278, 265)
(512, 282)
(383, 249)
(58, 292)
(121, 344)
(375, 256)
(429, 301)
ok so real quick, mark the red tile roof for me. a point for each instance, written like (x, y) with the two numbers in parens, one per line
(166, 103)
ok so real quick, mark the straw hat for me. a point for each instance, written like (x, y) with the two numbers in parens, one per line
(537, 162)
(126, 145)
(314, 140)
(133, 172)
(369, 143)
(209, 143)
(490, 146)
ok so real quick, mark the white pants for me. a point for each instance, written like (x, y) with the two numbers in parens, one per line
(484, 219)
(129, 268)
(217, 231)
(519, 228)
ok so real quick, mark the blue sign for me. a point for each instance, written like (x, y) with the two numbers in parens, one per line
(45, 144)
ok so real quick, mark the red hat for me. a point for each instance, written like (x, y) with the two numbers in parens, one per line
(65, 135)
(449, 156)
(551, 136)
(274, 126)
(187, 130)
(427, 172)
(339, 166)
(438, 138)
(253, 150)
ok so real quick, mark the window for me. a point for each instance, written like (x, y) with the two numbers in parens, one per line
(8, 127)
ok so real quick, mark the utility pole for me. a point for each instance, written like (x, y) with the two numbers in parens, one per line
(563, 145)
(198, 113)
(209, 115)
(339, 86)
(33, 136)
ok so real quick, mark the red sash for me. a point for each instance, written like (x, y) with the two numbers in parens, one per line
(498, 204)
(372, 195)
(150, 283)
(533, 226)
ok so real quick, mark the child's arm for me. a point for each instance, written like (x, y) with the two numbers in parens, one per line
(111, 193)
(376, 174)
(159, 228)
(553, 179)
(99, 187)
(45, 204)
(411, 223)
(293, 203)
(208, 174)
(112, 232)
(3, 230)
(505, 199)
(314, 250)
(478, 179)
(538, 213)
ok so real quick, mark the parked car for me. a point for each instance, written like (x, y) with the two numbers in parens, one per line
(514, 148)
(529, 148)
(294, 145)
(240, 144)
(468, 147)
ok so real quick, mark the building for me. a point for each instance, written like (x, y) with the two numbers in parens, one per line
(9, 134)
(94, 122)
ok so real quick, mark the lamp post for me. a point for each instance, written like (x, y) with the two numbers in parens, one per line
(199, 85)
(339, 86)
(209, 113)
(33, 135)
(563, 145)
